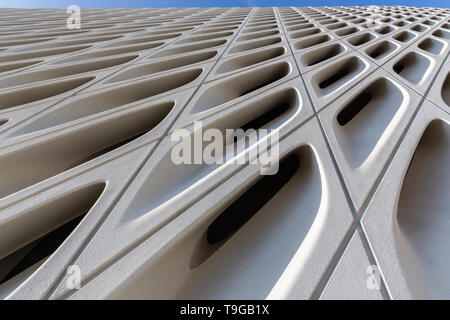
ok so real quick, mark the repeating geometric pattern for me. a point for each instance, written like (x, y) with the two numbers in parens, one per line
(359, 208)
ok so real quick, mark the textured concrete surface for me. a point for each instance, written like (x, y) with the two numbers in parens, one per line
(90, 195)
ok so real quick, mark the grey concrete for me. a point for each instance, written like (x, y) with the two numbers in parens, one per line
(87, 179)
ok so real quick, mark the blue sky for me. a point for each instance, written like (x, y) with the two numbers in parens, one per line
(220, 3)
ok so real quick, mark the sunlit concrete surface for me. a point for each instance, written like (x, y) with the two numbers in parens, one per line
(93, 206)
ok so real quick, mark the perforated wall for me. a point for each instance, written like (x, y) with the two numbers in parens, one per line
(93, 205)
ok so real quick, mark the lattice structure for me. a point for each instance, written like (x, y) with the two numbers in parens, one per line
(359, 208)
